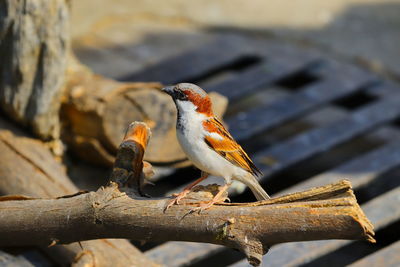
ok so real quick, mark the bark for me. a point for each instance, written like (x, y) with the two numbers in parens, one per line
(329, 212)
(98, 109)
(28, 168)
(34, 44)
(118, 211)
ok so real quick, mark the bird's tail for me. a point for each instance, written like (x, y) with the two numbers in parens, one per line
(256, 188)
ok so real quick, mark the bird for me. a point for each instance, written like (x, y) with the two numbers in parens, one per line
(208, 145)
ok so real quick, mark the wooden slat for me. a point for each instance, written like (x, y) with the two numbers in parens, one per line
(256, 77)
(343, 81)
(326, 137)
(210, 58)
(193, 64)
(176, 253)
(7, 260)
(382, 211)
(360, 171)
(388, 257)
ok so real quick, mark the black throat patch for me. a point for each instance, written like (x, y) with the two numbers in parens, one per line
(179, 121)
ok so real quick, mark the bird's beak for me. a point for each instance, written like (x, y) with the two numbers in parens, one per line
(169, 90)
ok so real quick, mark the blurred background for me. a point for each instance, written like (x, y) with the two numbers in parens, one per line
(309, 88)
(364, 30)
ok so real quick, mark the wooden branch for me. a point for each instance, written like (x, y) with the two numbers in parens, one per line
(27, 167)
(329, 212)
(109, 213)
(129, 169)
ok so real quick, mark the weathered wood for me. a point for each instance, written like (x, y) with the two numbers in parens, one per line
(254, 78)
(360, 171)
(315, 141)
(273, 62)
(34, 45)
(7, 260)
(196, 63)
(129, 159)
(321, 213)
(343, 80)
(176, 253)
(98, 110)
(388, 256)
(28, 167)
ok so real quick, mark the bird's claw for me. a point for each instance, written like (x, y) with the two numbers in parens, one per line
(176, 199)
(207, 205)
(201, 207)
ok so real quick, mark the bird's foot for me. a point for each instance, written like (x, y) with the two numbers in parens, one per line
(176, 199)
(207, 205)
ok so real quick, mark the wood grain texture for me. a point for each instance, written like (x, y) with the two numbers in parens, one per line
(329, 212)
(28, 168)
(34, 45)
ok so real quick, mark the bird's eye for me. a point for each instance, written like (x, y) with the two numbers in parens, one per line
(180, 95)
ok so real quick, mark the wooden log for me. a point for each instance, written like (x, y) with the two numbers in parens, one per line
(34, 44)
(28, 167)
(98, 109)
(117, 211)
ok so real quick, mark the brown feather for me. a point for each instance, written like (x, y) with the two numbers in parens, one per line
(227, 147)
(203, 103)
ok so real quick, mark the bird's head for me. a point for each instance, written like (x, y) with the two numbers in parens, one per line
(188, 96)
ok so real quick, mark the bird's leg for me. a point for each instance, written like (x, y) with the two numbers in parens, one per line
(185, 191)
(216, 199)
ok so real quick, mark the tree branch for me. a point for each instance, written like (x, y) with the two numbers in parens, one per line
(329, 212)
(27, 167)
(109, 213)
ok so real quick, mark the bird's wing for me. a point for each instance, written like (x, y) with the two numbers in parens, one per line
(219, 139)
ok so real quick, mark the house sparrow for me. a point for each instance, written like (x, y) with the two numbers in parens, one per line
(208, 145)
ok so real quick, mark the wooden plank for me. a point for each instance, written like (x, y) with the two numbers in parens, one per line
(176, 253)
(220, 54)
(382, 211)
(388, 256)
(360, 171)
(254, 78)
(343, 81)
(8, 260)
(303, 146)
(193, 64)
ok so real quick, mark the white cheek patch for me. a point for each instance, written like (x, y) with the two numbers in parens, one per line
(186, 106)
